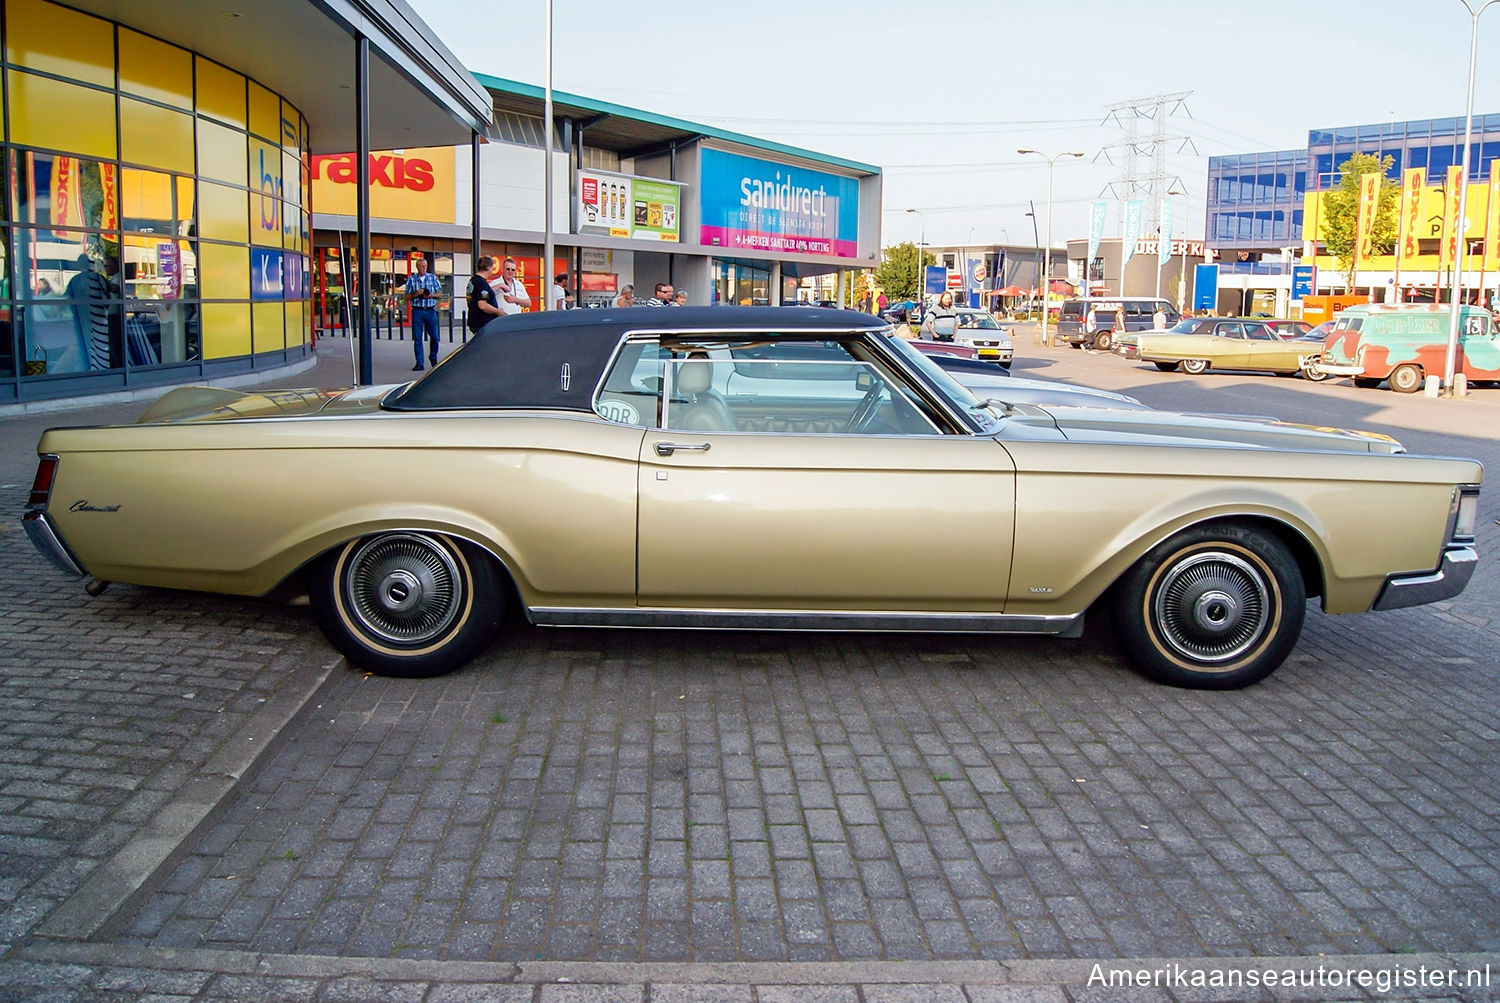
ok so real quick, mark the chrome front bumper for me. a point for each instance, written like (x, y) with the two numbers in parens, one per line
(45, 538)
(1328, 369)
(1399, 591)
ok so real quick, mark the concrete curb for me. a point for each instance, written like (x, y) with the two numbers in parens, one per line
(107, 898)
(1076, 973)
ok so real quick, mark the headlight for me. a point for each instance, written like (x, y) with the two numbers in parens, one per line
(1004, 343)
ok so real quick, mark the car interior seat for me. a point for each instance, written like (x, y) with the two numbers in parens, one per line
(701, 408)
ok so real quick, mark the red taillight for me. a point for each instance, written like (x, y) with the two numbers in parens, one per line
(41, 488)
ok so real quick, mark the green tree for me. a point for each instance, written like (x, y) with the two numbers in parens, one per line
(1339, 227)
(897, 274)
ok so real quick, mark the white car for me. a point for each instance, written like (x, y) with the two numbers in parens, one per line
(988, 336)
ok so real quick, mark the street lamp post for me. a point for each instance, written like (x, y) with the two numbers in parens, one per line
(921, 243)
(1450, 358)
(1181, 275)
(1047, 252)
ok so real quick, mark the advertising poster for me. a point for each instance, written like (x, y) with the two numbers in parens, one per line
(1448, 249)
(604, 204)
(1492, 220)
(1369, 199)
(762, 205)
(655, 210)
(169, 270)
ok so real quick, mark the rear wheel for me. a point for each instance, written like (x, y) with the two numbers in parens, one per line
(1194, 367)
(1215, 607)
(408, 604)
(1314, 375)
(1165, 367)
(1103, 340)
(1406, 379)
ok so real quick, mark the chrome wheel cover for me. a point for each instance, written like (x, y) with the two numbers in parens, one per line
(404, 588)
(1212, 607)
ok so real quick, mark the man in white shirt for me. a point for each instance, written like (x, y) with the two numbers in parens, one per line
(510, 291)
(559, 297)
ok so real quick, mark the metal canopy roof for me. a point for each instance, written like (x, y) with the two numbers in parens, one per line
(420, 94)
(631, 132)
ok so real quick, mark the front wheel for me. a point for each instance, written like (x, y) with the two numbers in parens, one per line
(1194, 367)
(1406, 379)
(409, 604)
(1215, 607)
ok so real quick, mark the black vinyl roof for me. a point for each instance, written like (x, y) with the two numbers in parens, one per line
(555, 359)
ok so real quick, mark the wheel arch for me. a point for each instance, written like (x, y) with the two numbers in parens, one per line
(295, 563)
(1295, 533)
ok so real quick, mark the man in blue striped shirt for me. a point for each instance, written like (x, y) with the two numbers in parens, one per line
(422, 292)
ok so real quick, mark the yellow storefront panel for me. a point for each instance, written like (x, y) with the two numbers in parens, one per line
(221, 153)
(154, 69)
(415, 184)
(265, 113)
(291, 129)
(270, 327)
(223, 213)
(221, 92)
(57, 116)
(291, 179)
(155, 137)
(226, 330)
(43, 36)
(296, 327)
(223, 272)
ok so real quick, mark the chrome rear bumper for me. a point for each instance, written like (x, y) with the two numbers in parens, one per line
(45, 538)
(1399, 591)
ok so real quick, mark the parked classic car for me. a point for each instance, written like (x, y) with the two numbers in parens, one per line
(1406, 343)
(748, 468)
(1222, 343)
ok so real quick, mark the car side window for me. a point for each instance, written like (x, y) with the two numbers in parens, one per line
(789, 387)
(1259, 332)
(1229, 329)
(631, 393)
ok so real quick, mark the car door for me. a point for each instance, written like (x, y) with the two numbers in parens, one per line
(892, 516)
(1264, 350)
(1227, 345)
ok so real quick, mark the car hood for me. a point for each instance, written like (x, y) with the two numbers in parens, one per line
(1019, 390)
(202, 404)
(1175, 429)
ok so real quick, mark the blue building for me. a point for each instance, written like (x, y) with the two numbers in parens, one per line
(1254, 220)
(1255, 199)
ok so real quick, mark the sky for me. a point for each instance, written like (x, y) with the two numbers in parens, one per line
(941, 96)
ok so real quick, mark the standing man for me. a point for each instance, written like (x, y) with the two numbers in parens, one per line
(663, 295)
(510, 291)
(1159, 319)
(483, 304)
(559, 298)
(422, 292)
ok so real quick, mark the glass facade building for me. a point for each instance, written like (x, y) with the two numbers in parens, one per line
(153, 224)
(1255, 200)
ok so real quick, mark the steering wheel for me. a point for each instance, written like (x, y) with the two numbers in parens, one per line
(866, 409)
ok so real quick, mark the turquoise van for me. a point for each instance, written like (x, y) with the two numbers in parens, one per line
(1405, 343)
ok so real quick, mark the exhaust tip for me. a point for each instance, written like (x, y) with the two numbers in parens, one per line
(95, 587)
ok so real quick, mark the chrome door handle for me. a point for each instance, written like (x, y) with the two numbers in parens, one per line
(668, 448)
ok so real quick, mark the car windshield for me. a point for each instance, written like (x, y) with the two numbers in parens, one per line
(956, 392)
(980, 320)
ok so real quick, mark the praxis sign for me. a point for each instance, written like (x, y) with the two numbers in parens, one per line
(754, 204)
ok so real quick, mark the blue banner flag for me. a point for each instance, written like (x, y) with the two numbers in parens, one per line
(1097, 212)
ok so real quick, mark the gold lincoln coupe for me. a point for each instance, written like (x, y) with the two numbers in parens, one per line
(749, 468)
(1197, 344)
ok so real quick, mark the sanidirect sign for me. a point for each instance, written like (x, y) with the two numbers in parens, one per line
(623, 205)
(762, 205)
